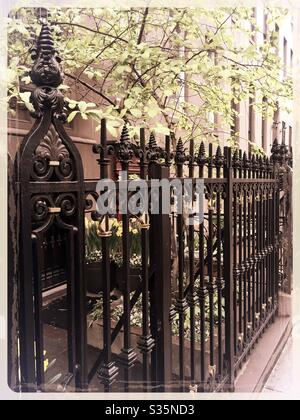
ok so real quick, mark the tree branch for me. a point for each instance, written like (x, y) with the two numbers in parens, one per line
(88, 86)
(90, 30)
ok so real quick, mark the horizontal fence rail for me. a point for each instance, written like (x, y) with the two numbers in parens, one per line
(202, 293)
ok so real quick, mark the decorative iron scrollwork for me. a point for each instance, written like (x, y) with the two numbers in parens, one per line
(51, 215)
(51, 156)
(46, 70)
(180, 155)
(52, 147)
(47, 75)
(67, 203)
(40, 205)
(154, 152)
(45, 98)
(201, 159)
(219, 158)
(123, 150)
(43, 206)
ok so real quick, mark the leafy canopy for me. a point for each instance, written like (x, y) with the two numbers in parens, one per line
(172, 69)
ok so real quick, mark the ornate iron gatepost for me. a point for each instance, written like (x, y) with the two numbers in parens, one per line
(49, 177)
(282, 155)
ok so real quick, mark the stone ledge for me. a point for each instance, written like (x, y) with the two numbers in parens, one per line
(257, 370)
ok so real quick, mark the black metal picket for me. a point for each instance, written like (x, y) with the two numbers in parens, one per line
(198, 330)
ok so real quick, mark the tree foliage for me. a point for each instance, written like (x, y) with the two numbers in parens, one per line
(172, 69)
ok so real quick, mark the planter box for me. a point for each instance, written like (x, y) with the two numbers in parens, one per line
(135, 277)
(94, 277)
(95, 339)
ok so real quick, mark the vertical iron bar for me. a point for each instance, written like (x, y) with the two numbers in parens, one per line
(257, 233)
(107, 371)
(263, 234)
(245, 263)
(228, 271)
(219, 282)
(181, 303)
(240, 284)
(211, 287)
(277, 242)
(71, 287)
(127, 351)
(260, 235)
(268, 242)
(253, 258)
(249, 197)
(160, 257)
(192, 295)
(38, 310)
(236, 270)
(202, 290)
(146, 342)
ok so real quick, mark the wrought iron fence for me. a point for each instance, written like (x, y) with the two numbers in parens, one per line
(205, 293)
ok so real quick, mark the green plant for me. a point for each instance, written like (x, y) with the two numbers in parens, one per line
(136, 319)
(93, 242)
(148, 64)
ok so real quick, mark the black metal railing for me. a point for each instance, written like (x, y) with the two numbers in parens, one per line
(207, 291)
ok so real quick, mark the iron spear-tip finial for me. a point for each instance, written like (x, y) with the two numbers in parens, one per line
(46, 70)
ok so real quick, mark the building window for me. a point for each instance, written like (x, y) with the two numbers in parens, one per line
(251, 123)
(276, 123)
(291, 136)
(265, 26)
(253, 26)
(285, 56)
(277, 38)
(236, 126)
(264, 128)
(283, 132)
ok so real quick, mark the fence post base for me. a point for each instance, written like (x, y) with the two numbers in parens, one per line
(160, 290)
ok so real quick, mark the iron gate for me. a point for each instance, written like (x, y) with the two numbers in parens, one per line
(207, 292)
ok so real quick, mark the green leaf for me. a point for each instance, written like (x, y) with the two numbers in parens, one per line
(25, 97)
(26, 80)
(129, 103)
(82, 106)
(111, 127)
(162, 129)
(136, 112)
(89, 74)
(71, 116)
(152, 111)
(63, 87)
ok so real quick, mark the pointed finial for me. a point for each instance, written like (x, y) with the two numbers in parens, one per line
(202, 150)
(218, 157)
(218, 152)
(201, 158)
(235, 158)
(45, 41)
(180, 148)
(275, 145)
(180, 156)
(46, 70)
(260, 162)
(125, 135)
(152, 141)
(124, 150)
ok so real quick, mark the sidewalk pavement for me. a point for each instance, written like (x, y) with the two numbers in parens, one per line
(285, 378)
